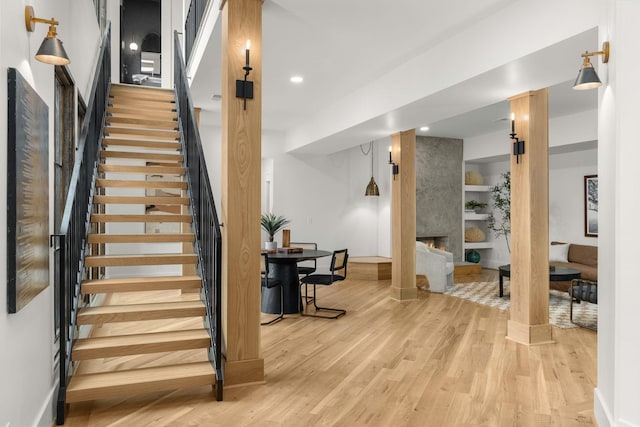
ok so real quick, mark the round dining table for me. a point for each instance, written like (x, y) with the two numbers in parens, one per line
(284, 267)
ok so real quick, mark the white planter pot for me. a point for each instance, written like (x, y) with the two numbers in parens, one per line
(271, 245)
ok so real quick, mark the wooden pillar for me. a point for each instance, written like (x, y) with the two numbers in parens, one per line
(241, 164)
(403, 217)
(197, 111)
(529, 313)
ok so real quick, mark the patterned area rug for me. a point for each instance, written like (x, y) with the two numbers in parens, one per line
(486, 293)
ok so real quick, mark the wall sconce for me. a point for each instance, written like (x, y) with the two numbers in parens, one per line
(395, 169)
(244, 88)
(51, 50)
(372, 187)
(587, 76)
(518, 146)
(133, 46)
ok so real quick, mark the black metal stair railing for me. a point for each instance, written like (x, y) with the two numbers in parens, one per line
(205, 217)
(192, 25)
(70, 241)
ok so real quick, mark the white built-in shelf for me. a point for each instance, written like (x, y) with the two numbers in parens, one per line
(478, 245)
(478, 188)
(472, 216)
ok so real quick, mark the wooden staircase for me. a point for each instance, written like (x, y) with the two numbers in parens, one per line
(141, 183)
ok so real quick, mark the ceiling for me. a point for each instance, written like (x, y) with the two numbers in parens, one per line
(338, 46)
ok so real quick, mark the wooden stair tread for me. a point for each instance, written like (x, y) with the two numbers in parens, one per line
(141, 238)
(141, 200)
(135, 284)
(138, 88)
(137, 123)
(145, 95)
(141, 104)
(147, 170)
(139, 259)
(135, 312)
(137, 155)
(140, 183)
(140, 218)
(143, 143)
(133, 112)
(125, 345)
(171, 135)
(107, 385)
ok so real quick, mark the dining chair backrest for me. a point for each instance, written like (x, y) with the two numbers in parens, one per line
(339, 262)
(306, 246)
(264, 265)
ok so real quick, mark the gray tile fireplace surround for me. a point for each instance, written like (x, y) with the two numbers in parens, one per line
(439, 190)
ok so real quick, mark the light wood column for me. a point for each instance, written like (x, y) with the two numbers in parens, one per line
(529, 312)
(241, 163)
(403, 217)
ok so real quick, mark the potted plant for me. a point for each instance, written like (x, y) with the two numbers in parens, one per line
(474, 205)
(501, 197)
(272, 223)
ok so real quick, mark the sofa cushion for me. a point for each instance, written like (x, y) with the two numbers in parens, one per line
(583, 254)
(559, 252)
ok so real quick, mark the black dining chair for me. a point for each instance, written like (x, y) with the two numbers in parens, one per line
(338, 263)
(269, 283)
(582, 290)
(307, 267)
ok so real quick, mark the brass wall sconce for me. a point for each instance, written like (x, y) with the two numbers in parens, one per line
(587, 76)
(244, 88)
(518, 146)
(51, 50)
(395, 168)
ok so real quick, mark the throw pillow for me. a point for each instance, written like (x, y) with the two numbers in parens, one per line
(559, 253)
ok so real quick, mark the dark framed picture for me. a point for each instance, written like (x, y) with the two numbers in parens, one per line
(27, 193)
(591, 205)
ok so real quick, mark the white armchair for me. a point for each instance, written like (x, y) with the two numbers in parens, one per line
(436, 264)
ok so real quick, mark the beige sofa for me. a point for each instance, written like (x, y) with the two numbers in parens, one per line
(580, 257)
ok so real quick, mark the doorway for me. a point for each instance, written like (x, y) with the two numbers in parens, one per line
(140, 47)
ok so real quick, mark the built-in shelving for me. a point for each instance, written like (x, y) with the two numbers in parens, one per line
(476, 219)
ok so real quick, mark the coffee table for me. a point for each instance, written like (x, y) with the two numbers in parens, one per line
(558, 274)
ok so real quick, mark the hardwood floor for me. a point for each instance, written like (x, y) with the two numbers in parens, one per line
(434, 361)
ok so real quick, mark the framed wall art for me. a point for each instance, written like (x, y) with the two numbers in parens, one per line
(591, 205)
(27, 193)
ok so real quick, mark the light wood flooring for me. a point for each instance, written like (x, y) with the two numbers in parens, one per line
(435, 361)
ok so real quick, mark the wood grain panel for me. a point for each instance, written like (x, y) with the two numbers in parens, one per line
(125, 260)
(150, 144)
(403, 217)
(241, 166)
(140, 284)
(370, 268)
(136, 312)
(529, 322)
(117, 183)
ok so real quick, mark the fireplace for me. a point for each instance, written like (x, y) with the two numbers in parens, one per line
(438, 242)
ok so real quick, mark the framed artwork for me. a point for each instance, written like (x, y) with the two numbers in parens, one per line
(591, 205)
(27, 193)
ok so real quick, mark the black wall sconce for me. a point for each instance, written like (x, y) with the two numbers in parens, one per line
(395, 169)
(587, 76)
(51, 50)
(244, 88)
(518, 146)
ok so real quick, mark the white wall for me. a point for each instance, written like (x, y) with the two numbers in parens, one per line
(28, 379)
(617, 394)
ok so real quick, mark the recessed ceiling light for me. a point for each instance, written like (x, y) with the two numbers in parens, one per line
(296, 79)
(424, 128)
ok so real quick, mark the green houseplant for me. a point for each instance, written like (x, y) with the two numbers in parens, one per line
(500, 218)
(474, 205)
(272, 223)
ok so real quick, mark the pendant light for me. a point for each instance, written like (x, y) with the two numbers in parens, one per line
(372, 187)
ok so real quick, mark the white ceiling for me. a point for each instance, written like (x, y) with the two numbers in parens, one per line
(337, 46)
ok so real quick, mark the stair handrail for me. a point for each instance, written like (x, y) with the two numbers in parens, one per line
(75, 226)
(205, 223)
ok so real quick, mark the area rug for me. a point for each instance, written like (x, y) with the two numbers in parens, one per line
(486, 293)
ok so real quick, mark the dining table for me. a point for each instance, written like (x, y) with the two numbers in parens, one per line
(284, 266)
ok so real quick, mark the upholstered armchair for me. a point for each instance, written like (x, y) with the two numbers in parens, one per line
(436, 264)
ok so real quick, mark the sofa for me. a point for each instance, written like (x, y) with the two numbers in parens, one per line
(436, 265)
(580, 257)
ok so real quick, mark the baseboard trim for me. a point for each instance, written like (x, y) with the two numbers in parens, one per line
(601, 410)
(46, 414)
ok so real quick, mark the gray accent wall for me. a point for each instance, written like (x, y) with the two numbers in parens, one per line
(439, 190)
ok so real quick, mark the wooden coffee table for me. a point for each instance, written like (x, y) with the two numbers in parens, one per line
(558, 274)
